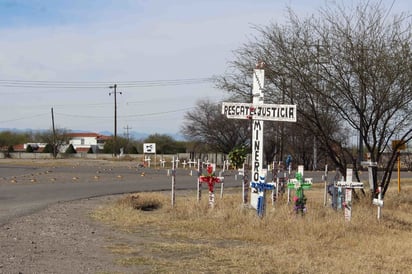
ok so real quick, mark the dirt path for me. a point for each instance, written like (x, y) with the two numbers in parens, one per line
(59, 239)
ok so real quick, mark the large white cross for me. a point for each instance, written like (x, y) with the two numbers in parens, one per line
(348, 185)
(257, 111)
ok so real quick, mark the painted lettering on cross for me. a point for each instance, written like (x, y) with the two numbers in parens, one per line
(269, 112)
(257, 148)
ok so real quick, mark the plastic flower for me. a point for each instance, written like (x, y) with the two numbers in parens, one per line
(210, 179)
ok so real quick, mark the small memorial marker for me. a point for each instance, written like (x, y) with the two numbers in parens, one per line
(348, 185)
(379, 202)
(261, 187)
(300, 184)
(210, 179)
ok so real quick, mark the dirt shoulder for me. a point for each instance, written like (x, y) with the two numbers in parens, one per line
(62, 238)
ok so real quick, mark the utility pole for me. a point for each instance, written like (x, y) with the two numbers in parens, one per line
(127, 137)
(54, 134)
(127, 131)
(114, 87)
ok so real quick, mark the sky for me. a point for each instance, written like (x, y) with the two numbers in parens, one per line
(66, 54)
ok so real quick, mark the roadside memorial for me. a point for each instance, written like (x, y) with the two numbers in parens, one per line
(347, 186)
(325, 180)
(281, 178)
(372, 175)
(261, 187)
(173, 182)
(245, 186)
(147, 161)
(210, 179)
(301, 172)
(379, 202)
(199, 184)
(300, 184)
(258, 112)
(162, 162)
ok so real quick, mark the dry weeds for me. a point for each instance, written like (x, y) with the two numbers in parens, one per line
(193, 238)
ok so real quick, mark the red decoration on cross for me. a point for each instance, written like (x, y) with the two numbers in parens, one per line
(210, 179)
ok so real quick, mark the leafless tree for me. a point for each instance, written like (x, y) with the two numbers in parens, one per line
(59, 139)
(206, 125)
(346, 69)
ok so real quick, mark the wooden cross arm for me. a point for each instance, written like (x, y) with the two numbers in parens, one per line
(262, 186)
(348, 184)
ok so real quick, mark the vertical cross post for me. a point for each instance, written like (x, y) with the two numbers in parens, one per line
(379, 202)
(300, 184)
(348, 185)
(173, 182)
(210, 179)
(257, 111)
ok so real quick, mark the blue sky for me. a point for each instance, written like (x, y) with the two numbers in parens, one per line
(75, 49)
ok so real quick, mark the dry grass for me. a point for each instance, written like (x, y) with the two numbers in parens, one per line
(230, 238)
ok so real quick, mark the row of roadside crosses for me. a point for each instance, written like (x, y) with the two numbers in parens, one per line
(340, 190)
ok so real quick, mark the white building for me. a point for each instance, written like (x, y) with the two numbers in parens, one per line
(82, 142)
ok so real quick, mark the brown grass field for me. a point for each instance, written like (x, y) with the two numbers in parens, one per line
(193, 238)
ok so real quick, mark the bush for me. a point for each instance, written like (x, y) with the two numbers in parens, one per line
(70, 150)
(48, 149)
(29, 149)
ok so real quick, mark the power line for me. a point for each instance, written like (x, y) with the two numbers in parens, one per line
(101, 85)
(125, 116)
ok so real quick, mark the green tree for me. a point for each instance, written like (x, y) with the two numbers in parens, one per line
(9, 138)
(238, 156)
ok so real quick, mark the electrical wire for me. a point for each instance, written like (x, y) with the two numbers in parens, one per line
(101, 85)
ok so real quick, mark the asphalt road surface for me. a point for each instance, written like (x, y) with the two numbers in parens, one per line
(26, 187)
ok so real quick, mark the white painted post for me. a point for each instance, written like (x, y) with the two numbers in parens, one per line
(173, 182)
(258, 112)
(379, 202)
(325, 179)
(148, 161)
(199, 173)
(245, 186)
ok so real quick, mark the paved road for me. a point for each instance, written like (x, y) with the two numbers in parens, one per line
(26, 188)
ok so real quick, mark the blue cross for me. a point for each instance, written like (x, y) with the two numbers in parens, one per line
(261, 186)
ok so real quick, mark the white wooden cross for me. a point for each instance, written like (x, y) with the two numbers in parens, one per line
(162, 162)
(379, 202)
(148, 161)
(348, 185)
(257, 111)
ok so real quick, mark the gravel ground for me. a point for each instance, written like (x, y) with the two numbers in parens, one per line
(59, 239)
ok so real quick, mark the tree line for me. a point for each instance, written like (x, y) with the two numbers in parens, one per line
(165, 144)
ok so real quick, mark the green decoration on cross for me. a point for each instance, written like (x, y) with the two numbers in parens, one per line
(299, 184)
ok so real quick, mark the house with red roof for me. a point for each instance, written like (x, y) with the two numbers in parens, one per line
(83, 142)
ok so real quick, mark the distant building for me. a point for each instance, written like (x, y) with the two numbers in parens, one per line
(83, 142)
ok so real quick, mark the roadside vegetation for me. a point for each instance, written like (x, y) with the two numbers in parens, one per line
(230, 238)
